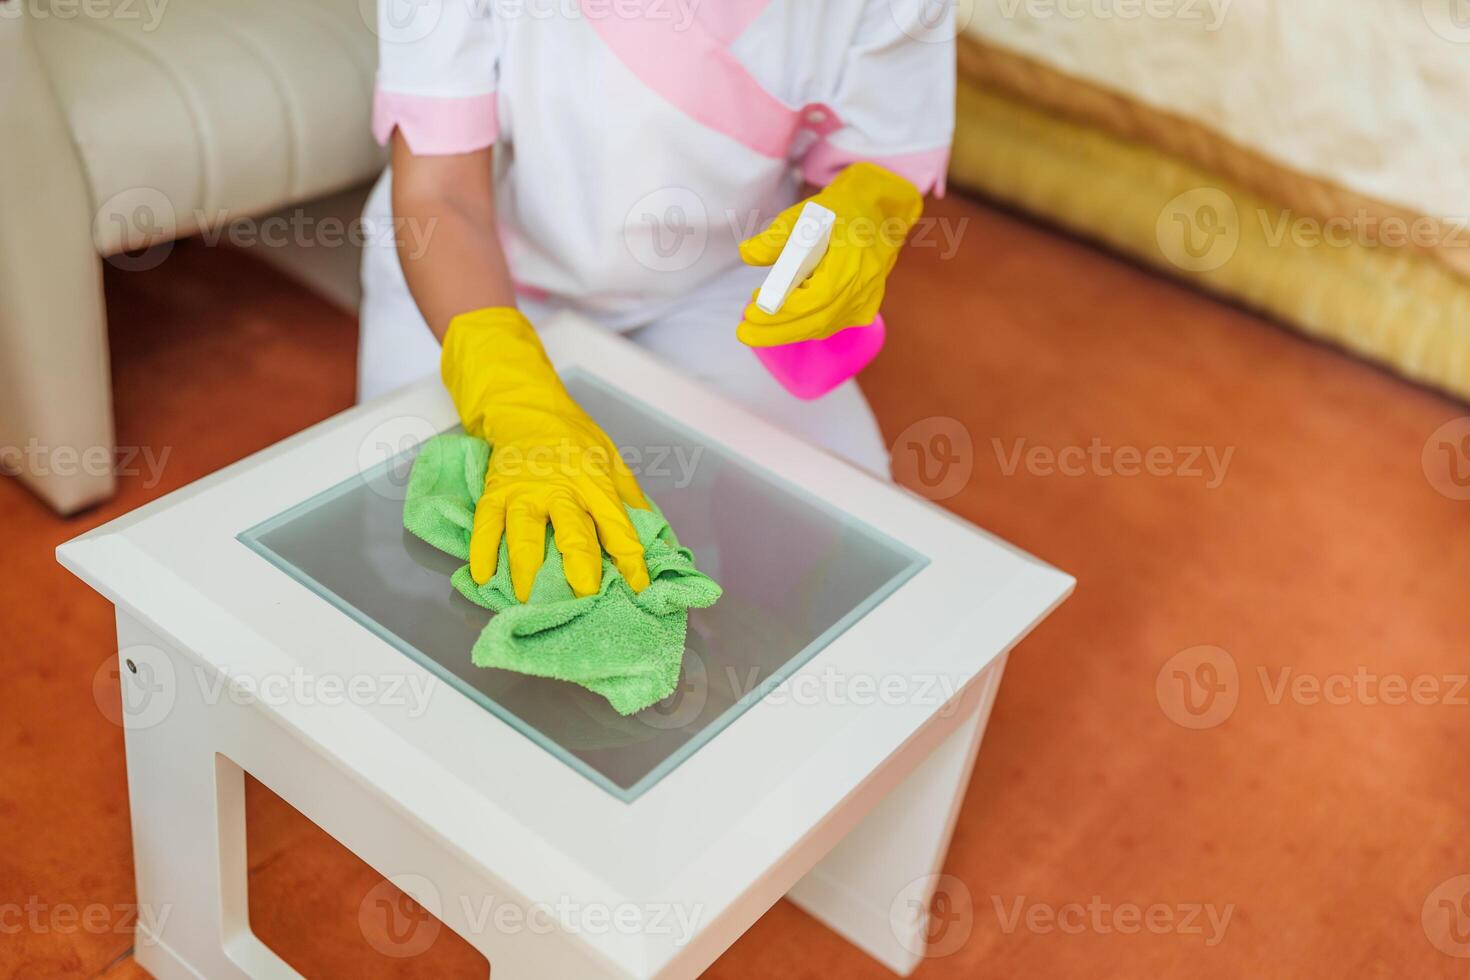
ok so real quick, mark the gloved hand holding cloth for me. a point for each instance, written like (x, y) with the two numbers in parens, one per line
(533, 456)
(549, 461)
(875, 211)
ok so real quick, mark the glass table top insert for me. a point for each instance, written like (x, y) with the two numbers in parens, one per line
(796, 573)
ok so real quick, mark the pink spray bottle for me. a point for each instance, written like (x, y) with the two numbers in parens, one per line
(811, 368)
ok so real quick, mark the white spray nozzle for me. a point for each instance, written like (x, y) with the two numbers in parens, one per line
(804, 248)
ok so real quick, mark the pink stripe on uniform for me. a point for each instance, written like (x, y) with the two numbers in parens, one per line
(693, 70)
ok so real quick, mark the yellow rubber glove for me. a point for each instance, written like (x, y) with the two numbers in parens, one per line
(548, 459)
(875, 211)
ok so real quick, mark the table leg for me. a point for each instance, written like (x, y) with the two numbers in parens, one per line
(875, 887)
(188, 815)
(189, 746)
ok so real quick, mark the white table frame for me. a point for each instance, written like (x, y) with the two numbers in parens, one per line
(848, 809)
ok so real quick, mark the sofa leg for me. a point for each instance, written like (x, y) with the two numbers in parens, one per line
(56, 431)
(55, 388)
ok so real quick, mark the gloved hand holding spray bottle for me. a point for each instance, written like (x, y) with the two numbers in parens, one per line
(814, 323)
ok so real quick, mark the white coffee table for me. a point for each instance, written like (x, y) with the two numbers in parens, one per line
(275, 619)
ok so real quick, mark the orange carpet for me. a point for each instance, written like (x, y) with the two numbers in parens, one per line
(1288, 819)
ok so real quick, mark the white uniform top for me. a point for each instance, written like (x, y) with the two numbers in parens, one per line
(637, 141)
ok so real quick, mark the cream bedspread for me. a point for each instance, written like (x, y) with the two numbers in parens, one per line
(1370, 95)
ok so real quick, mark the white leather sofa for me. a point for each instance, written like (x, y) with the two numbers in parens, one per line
(125, 122)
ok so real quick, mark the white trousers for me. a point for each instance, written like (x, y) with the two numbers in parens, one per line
(697, 337)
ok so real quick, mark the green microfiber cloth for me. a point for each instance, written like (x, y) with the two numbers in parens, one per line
(626, 646)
